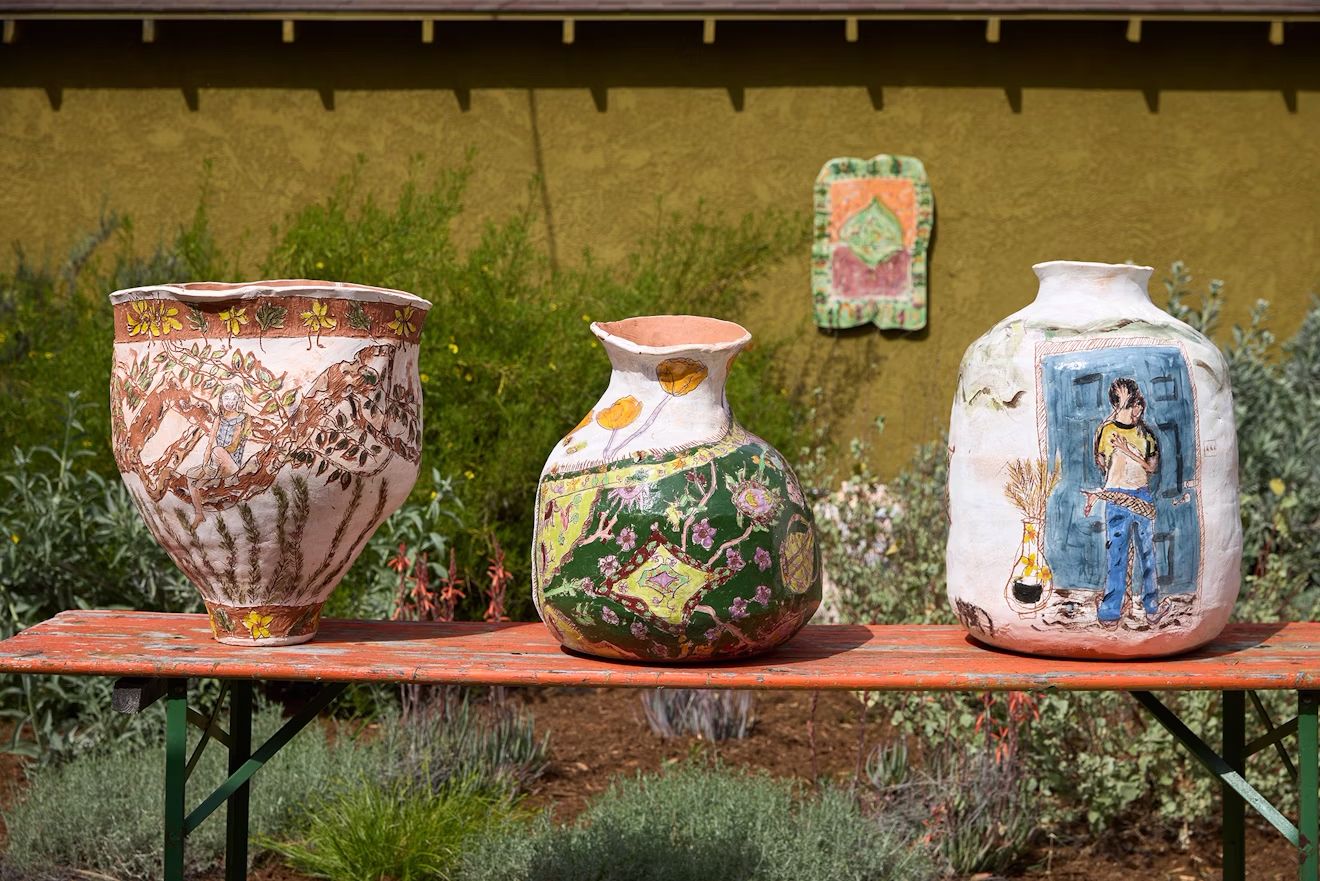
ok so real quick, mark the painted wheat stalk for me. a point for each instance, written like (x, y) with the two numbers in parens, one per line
(1030, 482)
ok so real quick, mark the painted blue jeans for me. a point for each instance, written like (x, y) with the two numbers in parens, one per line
(1122, 527)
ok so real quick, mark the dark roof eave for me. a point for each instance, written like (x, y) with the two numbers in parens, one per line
(659, 9)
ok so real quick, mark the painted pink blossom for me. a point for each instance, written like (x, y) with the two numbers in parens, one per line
(638, 629)
(608, 614)
(703, 533)
(738, 608)
(736, 561)
(608, 566)
(627, 538)
(763, 595)
(755, 500)
(711, 634)
(762, 559)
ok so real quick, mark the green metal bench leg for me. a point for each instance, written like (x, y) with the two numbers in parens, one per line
(1308, 783)
(176, 758)
(1234, 833)
(236, 811)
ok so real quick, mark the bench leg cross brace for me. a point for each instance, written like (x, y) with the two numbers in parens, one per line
(243, 763)
(1229, 766)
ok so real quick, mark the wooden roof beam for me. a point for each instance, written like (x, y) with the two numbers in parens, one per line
(850, 29)
(287, 33)
(428, 30)
(992, 29)
(148, 30)
(11, 31)
(708, 31)
(569, 32)
(1276, 32)
(1134, 30)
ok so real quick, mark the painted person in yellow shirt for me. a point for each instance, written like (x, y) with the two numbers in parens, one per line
(1127, 454)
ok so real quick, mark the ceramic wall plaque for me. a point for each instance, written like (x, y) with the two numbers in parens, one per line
(873, 221)
(1093, 492)
(265, 430)
(664, 530)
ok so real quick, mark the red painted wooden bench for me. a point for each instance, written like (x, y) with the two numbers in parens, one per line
(155, 655)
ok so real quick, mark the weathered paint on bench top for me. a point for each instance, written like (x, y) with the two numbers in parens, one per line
(912, 657)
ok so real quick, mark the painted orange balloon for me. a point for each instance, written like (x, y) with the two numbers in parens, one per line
(619, 414)
(678, 376)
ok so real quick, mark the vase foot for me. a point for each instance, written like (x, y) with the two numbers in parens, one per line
(263, 625)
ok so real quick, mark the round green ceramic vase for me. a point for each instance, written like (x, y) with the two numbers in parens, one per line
(664, 530)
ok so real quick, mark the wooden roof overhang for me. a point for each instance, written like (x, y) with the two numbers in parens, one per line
(1273, 15)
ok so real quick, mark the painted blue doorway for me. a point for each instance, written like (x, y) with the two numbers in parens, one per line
(1076, 389)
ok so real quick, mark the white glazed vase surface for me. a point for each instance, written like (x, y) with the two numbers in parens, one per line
(265, 430)
(1093, 490)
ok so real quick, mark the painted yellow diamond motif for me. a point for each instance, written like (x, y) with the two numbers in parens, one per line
(665, 584)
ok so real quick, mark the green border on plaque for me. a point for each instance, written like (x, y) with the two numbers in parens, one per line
(835, 309)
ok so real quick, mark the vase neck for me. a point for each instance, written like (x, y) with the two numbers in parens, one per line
(666, 389)
(1084, 288)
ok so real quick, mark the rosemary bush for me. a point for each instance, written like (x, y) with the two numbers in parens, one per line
(696, 823)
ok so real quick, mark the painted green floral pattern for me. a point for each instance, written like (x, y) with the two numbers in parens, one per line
(706, 553)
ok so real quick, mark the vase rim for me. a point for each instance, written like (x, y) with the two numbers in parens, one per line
(671, 334)
(215, 291)
(1091, 270)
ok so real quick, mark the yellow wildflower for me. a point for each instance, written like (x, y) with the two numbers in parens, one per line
(258, 625)
(317, 318)
(14, 538)
(1278, 487)
(424, 377)
(233, 319)
(469, 474)
(167, 318)
(140, 319)
(453, 347)
(403, 323)
(320, 264)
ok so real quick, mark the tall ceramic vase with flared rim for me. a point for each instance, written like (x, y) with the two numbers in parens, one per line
(1106, 426)
(664, 530)
(265, 430)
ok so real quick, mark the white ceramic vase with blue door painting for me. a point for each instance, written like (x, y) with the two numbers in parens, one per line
(1093, 488)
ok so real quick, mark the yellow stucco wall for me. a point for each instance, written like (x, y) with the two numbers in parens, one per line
(1202, 142)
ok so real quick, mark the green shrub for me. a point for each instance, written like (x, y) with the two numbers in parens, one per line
(404, 833)
(71, 817)
(698, 824)
(101, 811)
